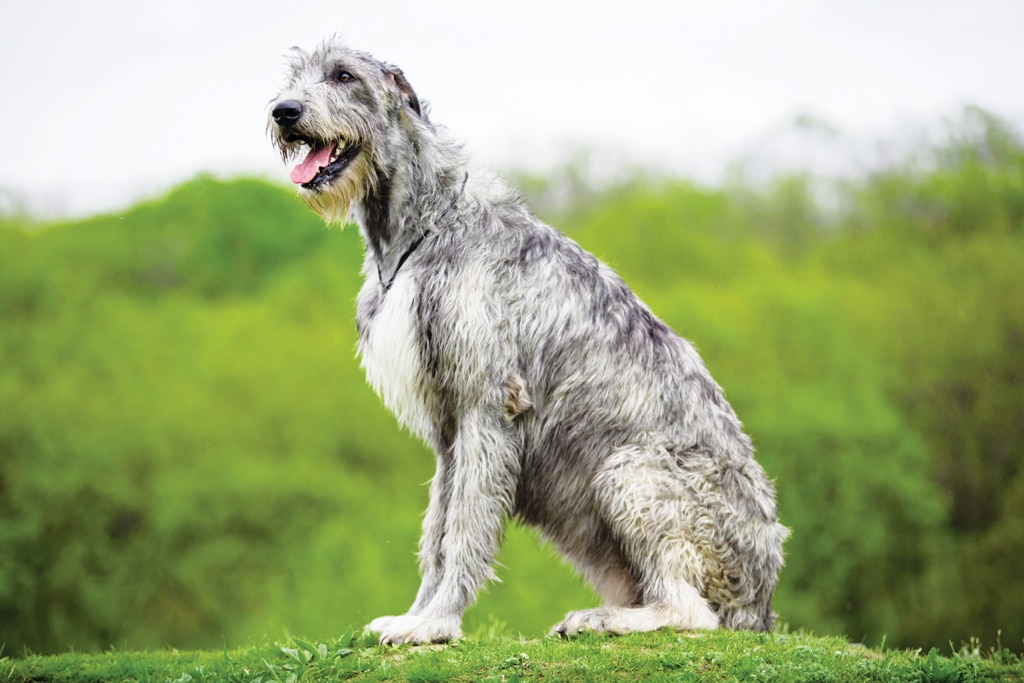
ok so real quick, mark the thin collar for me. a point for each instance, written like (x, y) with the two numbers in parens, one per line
(412, 247)
(408, 252)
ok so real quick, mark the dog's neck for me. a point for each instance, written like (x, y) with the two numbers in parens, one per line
(394, 222)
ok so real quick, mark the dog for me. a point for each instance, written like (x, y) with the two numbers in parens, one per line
(548, 391)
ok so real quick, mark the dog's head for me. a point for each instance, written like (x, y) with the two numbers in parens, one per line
(337, 113)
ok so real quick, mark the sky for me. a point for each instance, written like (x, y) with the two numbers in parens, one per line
(111, 101)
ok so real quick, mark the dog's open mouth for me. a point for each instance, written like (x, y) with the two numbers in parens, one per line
(323, 163)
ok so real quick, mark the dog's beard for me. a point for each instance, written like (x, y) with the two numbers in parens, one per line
(333, 200)
(333, 170)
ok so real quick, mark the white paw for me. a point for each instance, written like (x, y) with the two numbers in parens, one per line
(378, 625)
(415, 628)
(598, 620)
(619, 620)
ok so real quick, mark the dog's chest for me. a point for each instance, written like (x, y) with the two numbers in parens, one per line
(391, 351)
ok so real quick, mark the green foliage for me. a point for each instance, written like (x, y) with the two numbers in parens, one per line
(189, 454)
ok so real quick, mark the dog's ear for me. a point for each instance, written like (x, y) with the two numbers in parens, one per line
(296, 60)
(396, 77)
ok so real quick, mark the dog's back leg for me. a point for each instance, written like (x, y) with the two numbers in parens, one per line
(654, 511)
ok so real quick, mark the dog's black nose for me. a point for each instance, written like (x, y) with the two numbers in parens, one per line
(287, 112)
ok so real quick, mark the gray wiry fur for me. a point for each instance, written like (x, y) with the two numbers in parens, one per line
(549, 392)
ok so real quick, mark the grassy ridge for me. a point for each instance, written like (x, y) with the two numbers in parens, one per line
(712, 657)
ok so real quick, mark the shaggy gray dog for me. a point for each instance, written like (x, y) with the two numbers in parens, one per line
(549, 392)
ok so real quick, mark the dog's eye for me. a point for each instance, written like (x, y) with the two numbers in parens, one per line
(343, 76)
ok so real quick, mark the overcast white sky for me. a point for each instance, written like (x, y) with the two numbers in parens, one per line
(107, 101)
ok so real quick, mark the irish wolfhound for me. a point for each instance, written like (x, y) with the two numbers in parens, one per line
(549, 392)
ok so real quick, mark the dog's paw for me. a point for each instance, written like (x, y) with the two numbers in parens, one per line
(619, 620)
(378, 625)
(415, 628)
(596, 620)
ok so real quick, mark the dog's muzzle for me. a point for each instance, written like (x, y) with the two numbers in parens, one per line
(325, 160)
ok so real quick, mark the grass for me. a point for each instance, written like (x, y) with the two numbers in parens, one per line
(662, 656)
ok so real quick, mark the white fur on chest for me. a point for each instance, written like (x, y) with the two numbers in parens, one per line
(391, 356)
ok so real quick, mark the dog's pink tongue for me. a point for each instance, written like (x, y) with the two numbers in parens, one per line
(317, 158)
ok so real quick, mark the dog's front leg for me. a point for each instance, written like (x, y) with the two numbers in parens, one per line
(476, 495)
(433, 532)
(430, 552)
